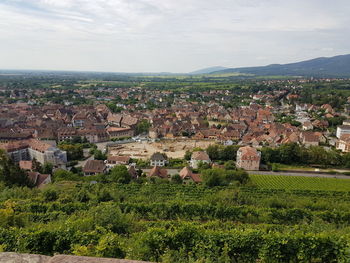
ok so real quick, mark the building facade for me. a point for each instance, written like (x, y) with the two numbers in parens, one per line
(33, 149)
(158, 159)
(199, 157)
(248, 158)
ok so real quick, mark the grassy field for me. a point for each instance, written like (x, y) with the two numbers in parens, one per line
(300, 183)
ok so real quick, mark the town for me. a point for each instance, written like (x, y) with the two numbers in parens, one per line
(93, 126)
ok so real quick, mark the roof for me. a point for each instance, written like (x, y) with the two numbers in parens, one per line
(196, 178)
(41, 179)
(94, 166)
(119, 158)
(15, 135)
(26, 165)
(39, 145)
(310, 137)
(114, 117)
(128, 120)
(132, 171)
(200, 156)
(67, 131)
(14, 145)
(37, 178)
(158, 157)
(186, 171)
(345, 137)
(157, 171)
(117, 129)
(249, 153)
(345, 127)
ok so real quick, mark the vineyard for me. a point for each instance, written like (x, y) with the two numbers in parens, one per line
(268, 220)
(300, 183)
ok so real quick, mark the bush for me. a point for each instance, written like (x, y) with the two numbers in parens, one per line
(50, 195)
(110, 217)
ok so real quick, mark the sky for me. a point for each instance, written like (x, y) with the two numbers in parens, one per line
(168, 35)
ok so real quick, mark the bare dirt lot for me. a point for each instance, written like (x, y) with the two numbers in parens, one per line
(172, 148)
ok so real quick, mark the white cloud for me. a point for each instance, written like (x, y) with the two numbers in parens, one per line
(168, 35)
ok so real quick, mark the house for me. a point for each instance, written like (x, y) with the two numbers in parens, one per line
(199, 157)
(38, 179)
(157, 171)
(158, 159)
(80, 118)
(343, 143)
(307, 125)
(28, 150)
(309, 138)
(93, 167)
(10, 135)
(328, 108)
(153, 133)
(117, 160)
(321, 124)
(117, 133)
(129, 121)
(188, 176)
(67, 133)
(342, 129)
(248, 158)
(115, 119)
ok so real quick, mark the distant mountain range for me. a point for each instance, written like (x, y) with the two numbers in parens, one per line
(338, 66)
(208, 70)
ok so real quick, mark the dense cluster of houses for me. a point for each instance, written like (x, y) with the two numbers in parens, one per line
(57, 123)
(29, 131)
(247, 125)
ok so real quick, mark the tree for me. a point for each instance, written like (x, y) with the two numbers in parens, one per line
(230, 165)
(142, 127)
(47, 168)
(110, 217)
(228, 152)
(11, 174)
(50, 195)
(63, 175)
(213, 152)
(120, 174)
(213, 177)
(176, 179)
(188, 155)
(74, 151)
(239, 175)
(203, 165)
(36, 166)
(98, 155)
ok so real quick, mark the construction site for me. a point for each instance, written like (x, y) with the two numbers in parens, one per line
(145, 149)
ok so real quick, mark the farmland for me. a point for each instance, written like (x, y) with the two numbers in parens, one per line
(167, 222)
(300, 183)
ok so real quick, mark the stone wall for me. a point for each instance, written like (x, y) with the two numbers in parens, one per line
(9, 257)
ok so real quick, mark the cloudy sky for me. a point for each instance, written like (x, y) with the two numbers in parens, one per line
(168, 35)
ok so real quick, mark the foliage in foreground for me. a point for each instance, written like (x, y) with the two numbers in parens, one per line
(177, 223)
